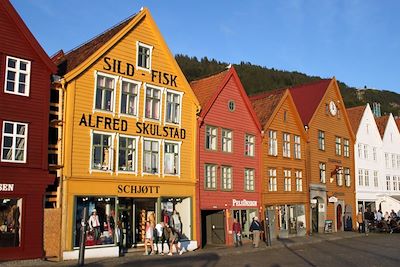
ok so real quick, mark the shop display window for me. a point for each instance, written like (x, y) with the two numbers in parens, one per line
(176, 213)
(10, 222)
(101, 220)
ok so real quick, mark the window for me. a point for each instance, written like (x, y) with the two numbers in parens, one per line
(360, 177)
(287, 180)
(152, 108)
(359, 146)
(105, 92)
(321, 140)
(211, 137)
(151, 156)
(231, 105)
(17, 76)
(387, 182)
(346, 148)
(226, 140)
(299, 181)
(249, 145)
(286, 145)
(14, 143)
(171, 158)
(366, 177)
(226, 176)
(398, 182)
(272, 180)
(376, 179)
(210, 176)
(347, 179)
(366, 152)
(393, 161)
(129, 98)
(272, 144)
(394, 183)
(338, 146)
(297, 147)
(173, 108)
(339, 177)
(249, 179)
(387, 160)
(374, 156)
(322, 172)
(11, 223)
(101, 152)
(398, 161)
(144, 52)
(127, 154)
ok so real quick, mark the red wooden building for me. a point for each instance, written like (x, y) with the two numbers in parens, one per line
(229, 158)
(25, 75)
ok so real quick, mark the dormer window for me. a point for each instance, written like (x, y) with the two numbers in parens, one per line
(143, 58)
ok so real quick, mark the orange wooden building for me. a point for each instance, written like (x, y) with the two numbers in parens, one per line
(284, 185)
(330, 155)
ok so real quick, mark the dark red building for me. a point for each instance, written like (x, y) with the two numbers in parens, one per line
(229, 158)
(25, 76)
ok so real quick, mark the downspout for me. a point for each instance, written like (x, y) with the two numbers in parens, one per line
(199, 227)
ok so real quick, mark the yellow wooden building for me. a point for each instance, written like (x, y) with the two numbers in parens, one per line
(128, 139)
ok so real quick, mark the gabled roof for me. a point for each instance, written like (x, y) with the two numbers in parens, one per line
(265, 104)
(20, 24)
(381, 122)
(307, 98)
(397, 120)
(70, 60)
(208, 89)
(355, 115)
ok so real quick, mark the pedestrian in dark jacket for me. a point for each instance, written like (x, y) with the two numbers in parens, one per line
(255, 228)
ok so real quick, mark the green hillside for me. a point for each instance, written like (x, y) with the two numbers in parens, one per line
(258, 79)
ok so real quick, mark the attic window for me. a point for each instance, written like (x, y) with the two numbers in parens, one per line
(231, 105)
(285, 116)
(143, 57)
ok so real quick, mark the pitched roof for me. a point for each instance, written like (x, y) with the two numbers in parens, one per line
(206, 88)
(265, 104)
(355, 115)
(381, 122)
(397, 120)
(70, 60)
(307, 98)
(20, 24)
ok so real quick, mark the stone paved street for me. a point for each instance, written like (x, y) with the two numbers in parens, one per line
(342, 250)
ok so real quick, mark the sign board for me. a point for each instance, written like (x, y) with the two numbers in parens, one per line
(328, 226)
(6, 187)
(333, 199)
(244, 203)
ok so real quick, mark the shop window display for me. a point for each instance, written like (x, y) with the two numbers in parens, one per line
(10, 222)
(101, 220)
(176, 213)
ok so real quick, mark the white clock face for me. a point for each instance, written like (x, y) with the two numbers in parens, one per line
(332, 108)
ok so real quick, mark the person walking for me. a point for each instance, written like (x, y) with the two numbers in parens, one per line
(174, 240)
(360, 222)
(255, 228)
(158, 233)
(237, 233)
(149, 237)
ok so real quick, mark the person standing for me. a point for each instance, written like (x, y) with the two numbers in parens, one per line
(360, 222)
(149, 237)
(158, 233)
(237, 233)
(255, 227)
(94, 225)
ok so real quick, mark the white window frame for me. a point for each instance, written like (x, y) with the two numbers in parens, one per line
(249, 180)
(287, 175)
(366, 151)
(347, 177)
(179, 143)
(374, 154)
(150, 47)
(161, 89)
(111, 153)
(338, 146)
(339, 177)
(360, 177)
(297, 146)
(398, 161)
(226, 178)
(14, 136)
(393, 161)
(322, 172)
(366, 177)
(113, 96)
(286, 145)
(394, 183)
(388, 185)
(18, 71)
(321, 140)
(213, 138)
(272, 143)
(376, 182)
(228, 140)
(136, 138)
(299, 181)
(166, 91)
(159, 156)
(360, 149)
(138, 84)
(213, 181)
(272, 185)
(387, 160)
(249, 145)
(346, 147)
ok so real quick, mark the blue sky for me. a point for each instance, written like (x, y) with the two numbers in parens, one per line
(358, 41)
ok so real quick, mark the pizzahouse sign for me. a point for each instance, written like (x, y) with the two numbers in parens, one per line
(244, 203)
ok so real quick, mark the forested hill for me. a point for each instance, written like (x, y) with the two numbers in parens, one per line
(258, 79)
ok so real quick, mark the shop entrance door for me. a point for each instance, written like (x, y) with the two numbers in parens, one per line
(314, 217)
(292, 220)
(271, 221)
(215, 227)
(339, 217)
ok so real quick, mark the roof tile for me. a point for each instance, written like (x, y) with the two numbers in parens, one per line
(264, 104)
(381, 122)
(355, 114)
